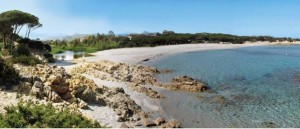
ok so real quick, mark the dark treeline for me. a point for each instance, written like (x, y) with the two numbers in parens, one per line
(164, 38)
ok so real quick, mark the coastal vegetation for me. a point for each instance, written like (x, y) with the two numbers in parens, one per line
(43, 116)
(22, 49)
(93, 43)
(8, 75)
(17, 49)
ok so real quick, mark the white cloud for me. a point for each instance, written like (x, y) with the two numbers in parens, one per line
(55, 24)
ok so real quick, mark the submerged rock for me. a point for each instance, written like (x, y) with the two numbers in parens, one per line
(269, 124)
(296, 77)
(165, 71)
(240, 78)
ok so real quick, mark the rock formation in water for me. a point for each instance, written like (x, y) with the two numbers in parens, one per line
(138, 75)
(187, 84)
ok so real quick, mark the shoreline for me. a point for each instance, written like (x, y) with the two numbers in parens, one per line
(143, 54)
(135, 56)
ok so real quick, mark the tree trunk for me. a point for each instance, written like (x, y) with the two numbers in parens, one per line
(28, 33)
(19, 30)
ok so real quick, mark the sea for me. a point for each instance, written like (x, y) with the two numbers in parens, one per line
(250, 87)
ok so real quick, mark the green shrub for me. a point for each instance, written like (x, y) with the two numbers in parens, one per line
(49, 57)
(25, 60)
(4, 52)
(22, 50)
(56, 49)
(8, 75)
(43, 116)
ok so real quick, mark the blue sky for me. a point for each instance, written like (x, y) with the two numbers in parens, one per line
(240, 17)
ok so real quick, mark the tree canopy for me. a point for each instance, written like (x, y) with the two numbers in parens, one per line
(12, 22)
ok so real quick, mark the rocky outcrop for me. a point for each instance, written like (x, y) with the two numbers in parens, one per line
(187, 84)
(137, 74)
(158, 121)
(111, 71)
(54, 84)
(148, 123)
(148, 91)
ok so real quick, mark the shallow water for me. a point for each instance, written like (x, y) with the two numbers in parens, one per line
(69, 55)
(261, 86)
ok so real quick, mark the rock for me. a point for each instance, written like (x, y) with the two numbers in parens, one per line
(59, 89)
(136, 117)
(88, 95)
(120, 119)
(158, 121)
(200, 97)
(165, 71)
(38, 84)
(148, 123)
(51, 95)
(83, 105)
(269, 124)
(54, 97)
(54, 80)
(138, 123)
(187, 83)
(119, 72)
(240, 78)
(123, 125)
(59, 86)
(66, 96)
(27, 78)
(220, 100)
(296, 77)
(35, 78)
(59, 106)
(118, 112)
(15, 88)
(37, 92)
(148, 91)
(247, 99)
(174, 124)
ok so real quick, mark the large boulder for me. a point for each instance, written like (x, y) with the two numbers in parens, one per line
(158, 121)
(148, 123)
(187, 83)
(37, 89)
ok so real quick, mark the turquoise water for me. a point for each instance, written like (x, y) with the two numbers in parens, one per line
(261, 86)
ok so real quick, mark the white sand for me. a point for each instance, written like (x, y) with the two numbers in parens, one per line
(136, 55)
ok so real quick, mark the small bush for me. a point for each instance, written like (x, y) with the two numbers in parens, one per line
(49, 57)
(8, 75)
(4, 52)
(25, 60)
(22, 50)
(43, 116)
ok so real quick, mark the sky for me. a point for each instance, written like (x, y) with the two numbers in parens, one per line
(278, 18)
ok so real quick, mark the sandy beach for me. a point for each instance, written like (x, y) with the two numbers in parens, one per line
(137, 55)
